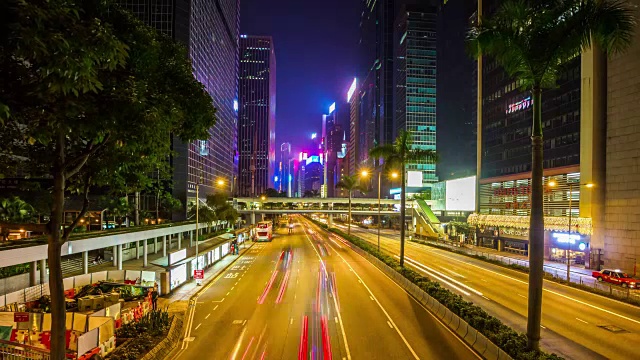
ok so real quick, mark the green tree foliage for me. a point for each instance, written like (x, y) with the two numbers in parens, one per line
(16, 210)
(222, 209)
(395, 156)
(311, 193)
(94, 97)
(118, 208)
(270, 192)
(531, 40)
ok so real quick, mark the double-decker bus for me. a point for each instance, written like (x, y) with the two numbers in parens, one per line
(264, 231)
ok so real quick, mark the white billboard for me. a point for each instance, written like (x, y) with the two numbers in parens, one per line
(414, 178)
(461, 194)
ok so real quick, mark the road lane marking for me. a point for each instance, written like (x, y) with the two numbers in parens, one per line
(233, 287)
(291, 321)
(215, 307)
(542, 327)
(371, 297)
(218, 301)
(198, 326)
(416, 263)
(206, 317)
(388, 323)
(344, 335)
(425, 309)
(381, 308)
(551, 291)
(582, 321)
(336, 319)
(522, 296)
(436, 277)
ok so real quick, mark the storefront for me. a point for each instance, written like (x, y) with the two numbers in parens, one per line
(487, 237)
(514, 240)
(560, 246)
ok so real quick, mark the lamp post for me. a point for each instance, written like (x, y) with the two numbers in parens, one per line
(568, 250)
(394, 175)
(197, 220)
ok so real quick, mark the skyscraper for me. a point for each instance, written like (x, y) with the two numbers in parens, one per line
(285, 168)
(376, 68)
(257, 115)
(210, 32)
(415, 86)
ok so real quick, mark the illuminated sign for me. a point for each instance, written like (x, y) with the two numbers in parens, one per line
(314, 135)
(332, 108)
(352, 89)
(460, 194)
(566, 238)
(395, 191)
(202, 145)
(176, 256)
(302, 156)
(520, 105)
(313, 159)
(414, 178)
(235, 105)
(275, 179)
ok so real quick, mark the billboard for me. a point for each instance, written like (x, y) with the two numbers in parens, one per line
(461, 194)
(414, 178)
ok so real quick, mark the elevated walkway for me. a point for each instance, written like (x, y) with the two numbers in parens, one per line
(425, 221)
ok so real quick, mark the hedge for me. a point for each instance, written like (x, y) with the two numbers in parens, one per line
(512, 342)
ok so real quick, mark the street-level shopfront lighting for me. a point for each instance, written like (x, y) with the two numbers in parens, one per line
(588, 185)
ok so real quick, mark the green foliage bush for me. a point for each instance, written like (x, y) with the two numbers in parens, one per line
(143, 335)
(500, 334)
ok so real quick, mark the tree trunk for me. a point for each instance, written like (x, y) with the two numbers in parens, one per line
(54, 241)
(136, 200)
(536, 227)
(349, 219)
(402, 212)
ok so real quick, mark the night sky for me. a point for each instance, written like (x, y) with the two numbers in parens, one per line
(316, 54)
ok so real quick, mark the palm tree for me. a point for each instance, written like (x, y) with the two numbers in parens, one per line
(349, 183)
(531, 40)
(397, 155)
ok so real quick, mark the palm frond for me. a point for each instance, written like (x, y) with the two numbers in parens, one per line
(421, 155)
(613, 25)
(382, 151)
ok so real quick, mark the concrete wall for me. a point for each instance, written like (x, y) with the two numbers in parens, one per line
(14, 283)
(622, 194)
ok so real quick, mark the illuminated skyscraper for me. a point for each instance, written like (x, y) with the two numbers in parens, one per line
(285, 168)
(257, 115)
(415, 84)
(209, 29)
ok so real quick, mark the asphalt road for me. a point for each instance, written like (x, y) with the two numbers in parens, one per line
(576, 324)
(307, 296)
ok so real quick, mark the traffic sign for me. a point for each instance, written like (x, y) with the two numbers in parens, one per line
(198, 274)
(21, 317)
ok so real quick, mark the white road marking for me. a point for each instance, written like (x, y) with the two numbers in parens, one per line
(336, 319)
(228, 293)
(380, 306)
(371, 297)
(522, 296)
(416, 263)
(550, 291)
(206, 317)
(198, 326)
(291, 321)
(388, 323)
(582, 321)
(542, 327)
(215, 307)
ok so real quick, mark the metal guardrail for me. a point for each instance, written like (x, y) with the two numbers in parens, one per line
(12, 351)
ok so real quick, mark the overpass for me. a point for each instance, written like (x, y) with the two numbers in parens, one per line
(422, 218)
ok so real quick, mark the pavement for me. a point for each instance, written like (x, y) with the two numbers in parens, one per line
(310, 296)
(575, 324)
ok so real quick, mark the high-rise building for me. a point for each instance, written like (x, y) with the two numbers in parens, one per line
(285, 168)
(376, 68)
(354, 149)
(256, 115)
(415, 87)
(210, 32)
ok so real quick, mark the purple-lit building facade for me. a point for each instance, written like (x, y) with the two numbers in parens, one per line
(210, 31)
(256, 115)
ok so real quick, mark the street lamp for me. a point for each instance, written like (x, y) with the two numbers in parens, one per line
(365, 173)
(552, 183)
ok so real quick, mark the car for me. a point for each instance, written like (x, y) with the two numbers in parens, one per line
(616, 277)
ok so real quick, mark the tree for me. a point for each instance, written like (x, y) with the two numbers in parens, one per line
(350, 183)
(94, 96)
(271, 193)
(311, 193)
(221, 207)
(531, 40)
(16, 210)
(397, 155)
(119, 208)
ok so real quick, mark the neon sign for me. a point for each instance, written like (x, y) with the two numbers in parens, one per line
(520, 105)
(566, 238)
(332, 108)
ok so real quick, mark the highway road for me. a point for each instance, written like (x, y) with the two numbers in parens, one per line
(576, 324)
(306, 296)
